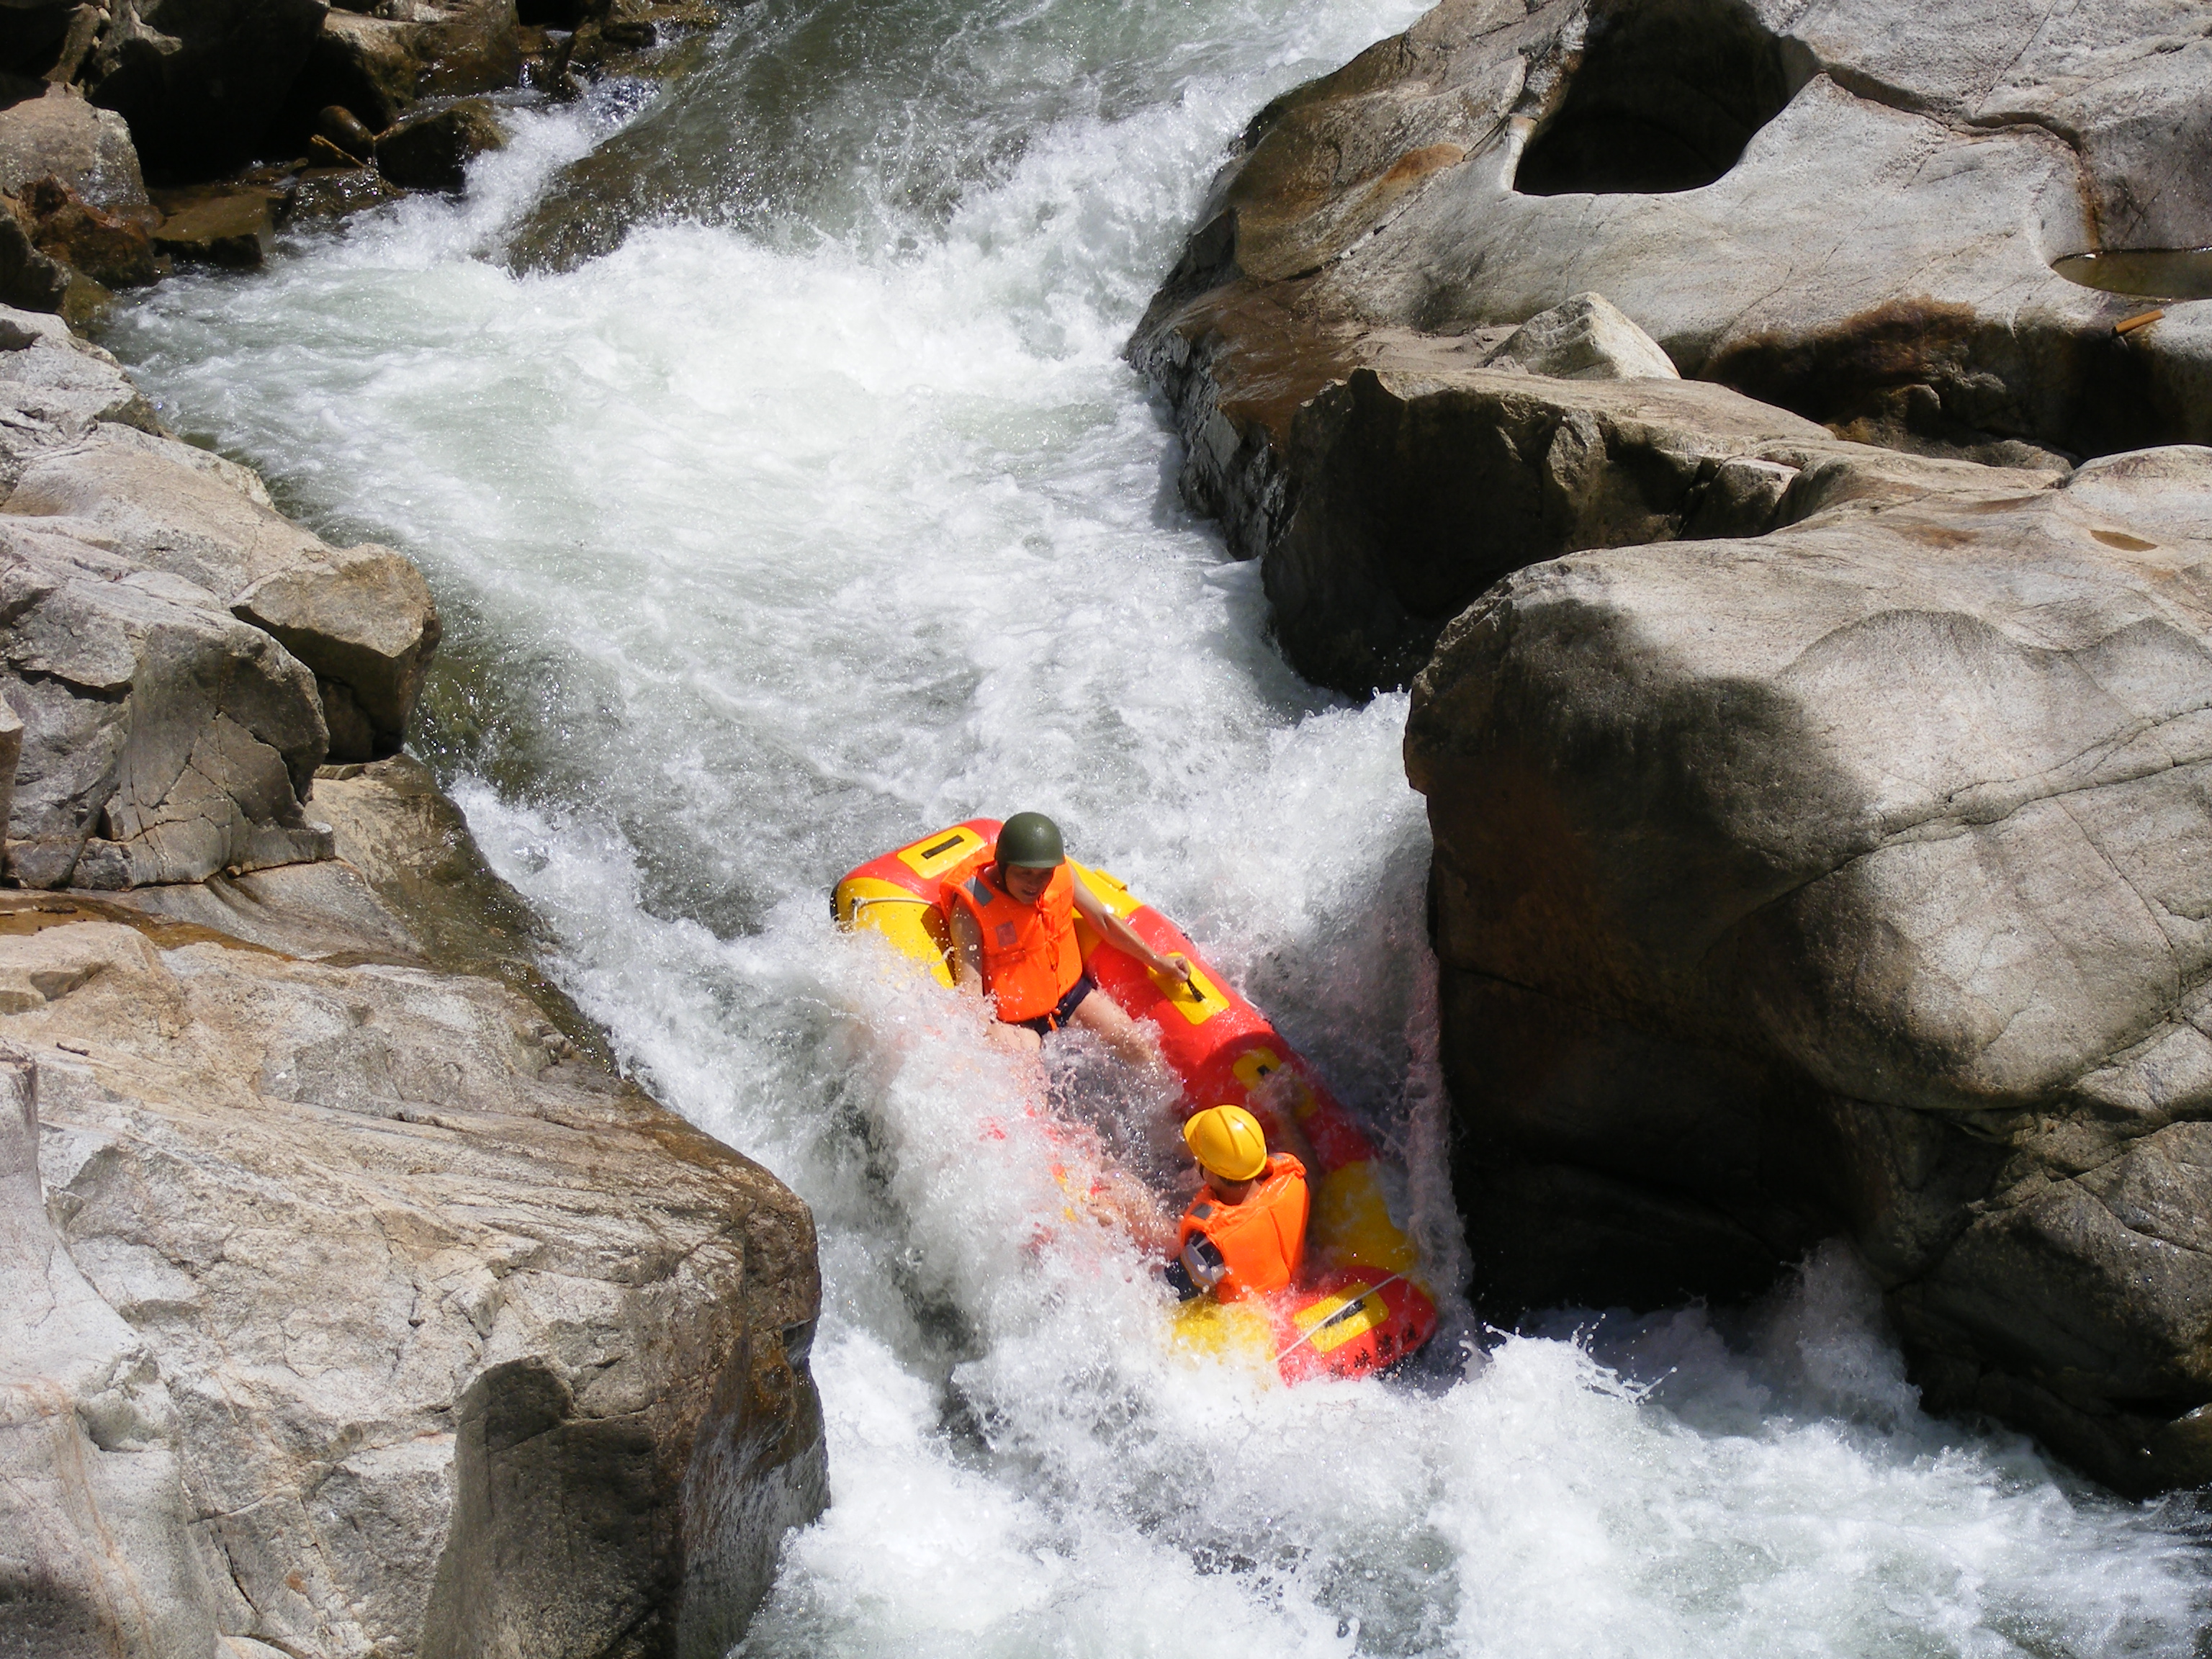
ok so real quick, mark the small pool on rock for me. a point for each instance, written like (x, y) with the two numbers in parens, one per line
(2151, 273)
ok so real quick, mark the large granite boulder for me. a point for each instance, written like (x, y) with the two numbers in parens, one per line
(1817, 806)
(1854, 875)
(1387, 479)
(354, 1305)
(361, 617)
(375, 1325)
(55, 388)
(1851, 209)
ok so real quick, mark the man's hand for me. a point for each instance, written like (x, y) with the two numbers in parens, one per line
(1175, 966)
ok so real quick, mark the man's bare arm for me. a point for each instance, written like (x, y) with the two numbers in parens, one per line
(966, 952)
(1123, 937)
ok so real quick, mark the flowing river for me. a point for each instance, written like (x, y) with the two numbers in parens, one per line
(824, 512)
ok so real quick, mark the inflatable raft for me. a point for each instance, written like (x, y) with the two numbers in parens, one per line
(1359, 1304)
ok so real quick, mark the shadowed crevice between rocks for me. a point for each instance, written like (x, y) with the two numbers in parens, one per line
(1664, 97)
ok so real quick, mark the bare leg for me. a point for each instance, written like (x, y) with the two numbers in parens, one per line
(1101, 1013)
(1015, 1039)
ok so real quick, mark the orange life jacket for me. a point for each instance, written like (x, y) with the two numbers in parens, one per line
(1263, 1239)
(1030, 956)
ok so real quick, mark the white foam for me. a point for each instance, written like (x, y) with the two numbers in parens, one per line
(824, 512)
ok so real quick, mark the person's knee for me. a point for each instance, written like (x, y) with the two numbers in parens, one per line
(1101, 1013)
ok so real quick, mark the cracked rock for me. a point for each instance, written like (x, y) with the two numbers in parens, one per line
(163, 739)
(367, 1335)
(361, 617)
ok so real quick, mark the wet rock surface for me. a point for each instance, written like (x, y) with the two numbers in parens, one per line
(230, 228)
(357, 1305)
(1812, 746)
(432, 150)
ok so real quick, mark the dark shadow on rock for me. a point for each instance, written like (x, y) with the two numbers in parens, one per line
(1667, 95)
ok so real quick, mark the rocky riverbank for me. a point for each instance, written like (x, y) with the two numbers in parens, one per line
(357, 1305)
(1802, 572)
(137, 134)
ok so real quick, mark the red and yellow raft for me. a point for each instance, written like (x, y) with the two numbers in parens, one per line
(1359, 1304)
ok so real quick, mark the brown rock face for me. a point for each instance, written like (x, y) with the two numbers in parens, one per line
(231, 228)
(113, 251)
(433, 151)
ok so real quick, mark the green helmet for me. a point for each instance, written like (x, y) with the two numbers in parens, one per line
(1031, 840)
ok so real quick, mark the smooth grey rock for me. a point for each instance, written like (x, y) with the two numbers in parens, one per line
(1854, 875)
(1585, 338)
(423, 1340)
(1848, 208)
(163, 738)
(62, 137)
(361, 618)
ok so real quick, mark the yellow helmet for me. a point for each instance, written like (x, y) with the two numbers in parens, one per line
(1228, 1141)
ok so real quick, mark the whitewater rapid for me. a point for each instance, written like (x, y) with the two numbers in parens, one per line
(824, 511)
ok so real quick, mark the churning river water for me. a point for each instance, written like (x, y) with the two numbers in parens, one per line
(824, 512)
